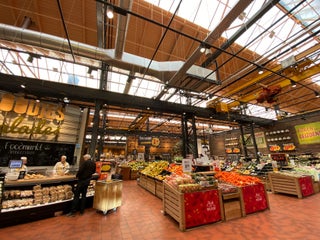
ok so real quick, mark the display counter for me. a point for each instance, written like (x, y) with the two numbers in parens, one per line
(35, 199)
(108, 195)
(186, 210)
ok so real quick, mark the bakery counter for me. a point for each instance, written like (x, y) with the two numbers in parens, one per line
(26, 200)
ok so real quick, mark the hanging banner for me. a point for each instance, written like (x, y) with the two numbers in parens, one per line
(308, 133)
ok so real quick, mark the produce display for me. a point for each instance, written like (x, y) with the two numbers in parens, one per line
(137, 165)
(155, 168)
(236, 179)
(175, 168)
(190, 183)
(227, 188)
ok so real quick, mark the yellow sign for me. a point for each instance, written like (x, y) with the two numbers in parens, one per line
(39, 127)
(308, 133)
(155, 142)
(33, 117)
(20, 105)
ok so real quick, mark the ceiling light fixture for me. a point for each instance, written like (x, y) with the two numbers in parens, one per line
(202, 48)
(110, 13)
(260, 71)
(293, 83)
(317, 94)
(22, 86)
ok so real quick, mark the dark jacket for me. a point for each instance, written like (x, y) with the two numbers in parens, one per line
(86, 169)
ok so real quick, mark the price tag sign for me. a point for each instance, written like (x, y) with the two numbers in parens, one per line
(187, 165)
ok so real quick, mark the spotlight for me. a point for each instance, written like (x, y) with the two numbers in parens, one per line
(202, 48)
(110, 14)
(293, 83)
(260, 71)
(317, 94)
(22, 86)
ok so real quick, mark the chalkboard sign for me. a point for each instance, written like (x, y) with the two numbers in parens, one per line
(38, 153)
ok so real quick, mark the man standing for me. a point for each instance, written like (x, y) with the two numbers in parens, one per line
(84, 174)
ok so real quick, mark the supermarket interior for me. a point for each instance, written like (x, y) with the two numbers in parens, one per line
(159, 119)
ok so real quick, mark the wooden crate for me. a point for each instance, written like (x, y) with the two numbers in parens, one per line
(179, 207)
(148, 183)
(232, 209)
(151, 185)
(299, 186)
(233, 205)
(142, 181)
(173, 205)
(159, 189)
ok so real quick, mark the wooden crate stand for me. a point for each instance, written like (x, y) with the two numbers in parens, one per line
(143, 181)
(192, 209)
(299, 186)
(233, 205)
(148, 183)
(159, 188)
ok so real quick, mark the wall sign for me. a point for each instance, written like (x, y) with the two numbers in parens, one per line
(308, 133)
(38, 153)
(26, 117)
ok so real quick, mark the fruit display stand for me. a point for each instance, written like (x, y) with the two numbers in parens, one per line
(159, 188)
(194, 208)
(301, 186)
(108, 195)
(255, 198)
(148, 183)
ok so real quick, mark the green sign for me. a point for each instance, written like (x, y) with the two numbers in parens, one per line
(308, 133)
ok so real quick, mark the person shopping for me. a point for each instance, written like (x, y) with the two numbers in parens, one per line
(84, 174)
(61, 168)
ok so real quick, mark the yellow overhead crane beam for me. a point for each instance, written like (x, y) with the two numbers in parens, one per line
(223, 107)
(298, 77)
(298, 58)
(140, 122)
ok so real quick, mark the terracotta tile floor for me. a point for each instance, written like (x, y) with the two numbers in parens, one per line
(140, 218)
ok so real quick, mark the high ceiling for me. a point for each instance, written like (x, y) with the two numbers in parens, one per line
(151, 49)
